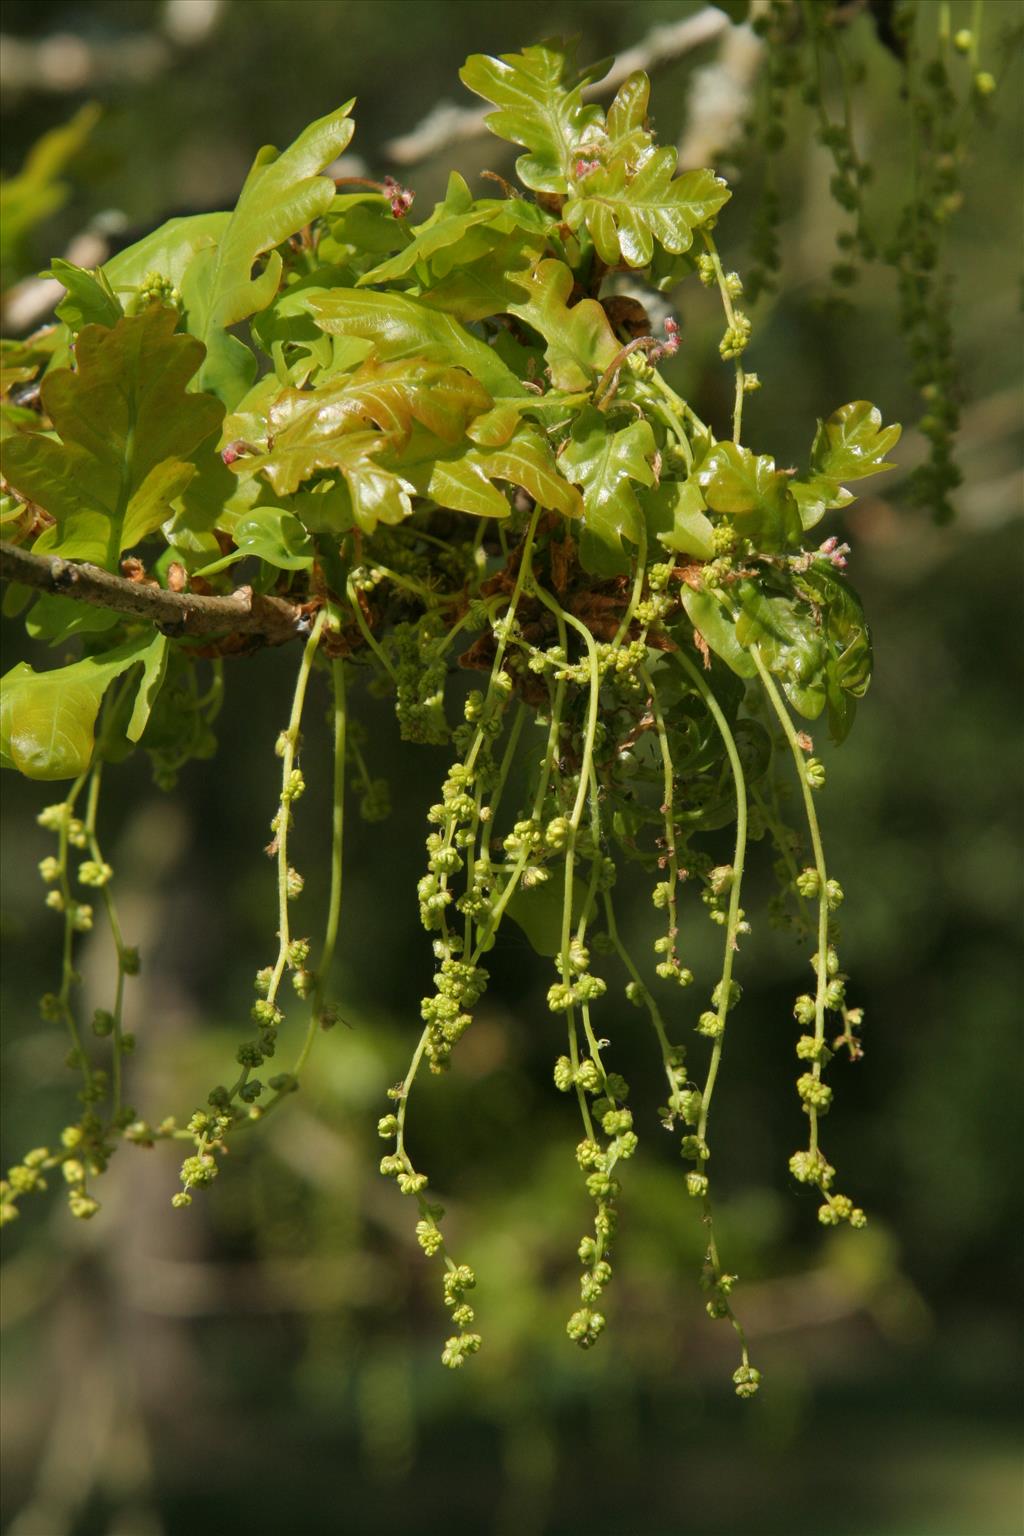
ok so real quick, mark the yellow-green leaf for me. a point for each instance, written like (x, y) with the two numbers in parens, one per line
(580, 341)
(125, 423)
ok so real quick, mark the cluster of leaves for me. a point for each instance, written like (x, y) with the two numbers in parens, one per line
(410, 432)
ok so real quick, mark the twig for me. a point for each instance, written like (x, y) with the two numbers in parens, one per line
(244, 612)
(446, 124)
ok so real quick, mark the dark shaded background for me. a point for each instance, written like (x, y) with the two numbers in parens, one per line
(268, 1362)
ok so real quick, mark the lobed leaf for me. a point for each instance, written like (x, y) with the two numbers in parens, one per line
(90, 300)
(389, 395)
(604, 462)
(580, 341)
(625, 209)
(853, 443)
(282, 194)
(400, 326)
(48, 719)
(789, 640)
(717, 627)
(276, 536)
(675, 515)
(168, 250)
(125, 425)
(464, 482)
(741, 483)
(458, 231)
(540, 99)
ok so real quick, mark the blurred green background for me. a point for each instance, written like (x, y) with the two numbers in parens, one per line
(268, 1361)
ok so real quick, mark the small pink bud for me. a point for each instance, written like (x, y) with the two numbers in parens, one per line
(401, 198)
(835, 553)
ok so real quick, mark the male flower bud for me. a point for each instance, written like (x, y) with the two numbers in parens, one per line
(198, 1170)
(556, 833)
(814, 772)
(584, 1327)
(815, 1094)
(811, 1168)
(809, 1049)
(808, 883)
(747, 1380)
(835, 994)
(588, 1076)
(95, 873)
(297, 953)
(579, 956)
(735, 992)
(804, 1009)
(428, 1237)
(563, 1074)
(49, 869)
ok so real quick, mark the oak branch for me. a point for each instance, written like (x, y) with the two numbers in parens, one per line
(180, 614)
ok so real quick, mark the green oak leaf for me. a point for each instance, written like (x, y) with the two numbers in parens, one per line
(539, 96)
(48, 719)
(168, 250)
(458, 231)
(744, 484)
(282, 194)
(848, 641)
(358, 229)
(126, 424)
(486, 286)
(735, 480)
(625, 129)
(717, 627)
(675, 515)
(816, 496)
(307, 430)
(853, 443)
(90, 300)
(377, 493)
(400, 326)
(276, 536)
(626, 210)
(790, 642)
(580, 341)
(464, 482)
(604, 462)
(390, 395)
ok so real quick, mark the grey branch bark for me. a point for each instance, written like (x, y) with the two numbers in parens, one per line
(446, 125)
(179, 614)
